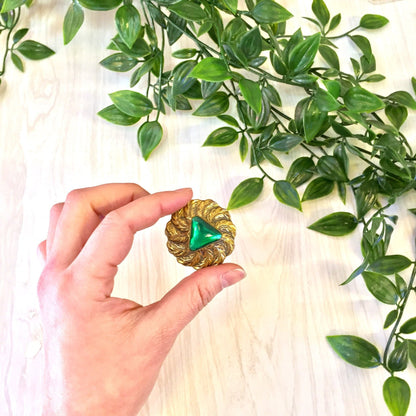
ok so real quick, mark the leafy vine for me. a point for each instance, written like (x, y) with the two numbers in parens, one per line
(10, 13)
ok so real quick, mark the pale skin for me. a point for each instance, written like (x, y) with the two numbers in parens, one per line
(102, 353)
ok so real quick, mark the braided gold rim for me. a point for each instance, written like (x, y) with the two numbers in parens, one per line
(178, 231)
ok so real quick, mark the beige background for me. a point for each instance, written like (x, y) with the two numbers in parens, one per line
(259, 348)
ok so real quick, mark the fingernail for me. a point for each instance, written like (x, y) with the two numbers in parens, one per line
(232, 276)
(183, 189)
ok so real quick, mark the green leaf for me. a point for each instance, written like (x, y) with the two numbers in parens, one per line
(231, 5)
(268, 11)
(132, 103)
(403, 98)
(214, 105)
(399, 357)
(243, 147)
(373, 21)
(355, 350)
(119, 62)
(363, 43)
(11, 4)
(412, 351)
(335, 21)
(360, 100)
(330, 56)
(303, 54)
(156, 15)
(19, 35)
(176, 27)
(313, 120)
(223, 136)
(251, 93)
(99, 4)
(74, 18)
(34, 50)
(365, 198)
(278, 64)
(139, 49)
(368, 64)
(127, 21)
(251, 43)
(17, 62)
(325, 101)
(374, 78)
(380, 287)
(139, 72)
(304, 79)
(320, 10)
(401, 285)
(397, 114)
(390, 318)
(336, 224)
(390, 264)
(413, 80)
(188, 11)
(287, 194)
(209, 88)
(229, 120)
(268, 154)
(246, 192)
(300, 171)
(341, 154)
(115, 116)
(396, 393)
(184, 53)
(211, 69)
(409, 326)
(318, 188)
(285, 142)
(330, 168)
(148, 137)
(182, 82)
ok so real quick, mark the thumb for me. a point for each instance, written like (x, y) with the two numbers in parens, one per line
(182, 303)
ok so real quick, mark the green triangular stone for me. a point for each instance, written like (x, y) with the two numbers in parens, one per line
(202, 234)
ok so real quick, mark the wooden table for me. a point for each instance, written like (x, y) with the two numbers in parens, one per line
(259, 348)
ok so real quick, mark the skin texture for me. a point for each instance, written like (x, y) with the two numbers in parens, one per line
(103, 354)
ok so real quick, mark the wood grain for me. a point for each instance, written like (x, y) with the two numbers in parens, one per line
(259, 348)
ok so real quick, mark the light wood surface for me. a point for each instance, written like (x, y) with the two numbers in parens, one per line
(259, 348)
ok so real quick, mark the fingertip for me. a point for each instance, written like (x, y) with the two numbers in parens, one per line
(232, 277)
(228, 273)
(185, 191)
(41, 251)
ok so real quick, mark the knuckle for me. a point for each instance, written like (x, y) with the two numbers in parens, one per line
(202, 296)
(76, 196)
(113, 218)
(56, 209)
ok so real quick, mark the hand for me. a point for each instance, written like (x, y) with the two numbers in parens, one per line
(103, 354)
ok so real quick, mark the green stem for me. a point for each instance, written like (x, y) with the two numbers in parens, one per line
(159, 96)
(8, 49)
(257, 162)
(401, 308)
(344, 34)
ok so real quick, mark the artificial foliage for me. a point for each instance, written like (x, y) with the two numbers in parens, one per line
(12, 35)
(240, 55)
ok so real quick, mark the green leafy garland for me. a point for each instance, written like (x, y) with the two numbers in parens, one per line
(10, 12)
(336, 120)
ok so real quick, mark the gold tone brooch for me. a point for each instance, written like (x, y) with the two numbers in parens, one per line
(200, 234)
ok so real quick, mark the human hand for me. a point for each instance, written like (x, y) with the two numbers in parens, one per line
(103, 354)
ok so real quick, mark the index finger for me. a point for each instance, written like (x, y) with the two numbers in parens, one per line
(110, 243)
(82, 211)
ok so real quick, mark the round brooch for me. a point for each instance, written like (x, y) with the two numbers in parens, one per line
(200, 234)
